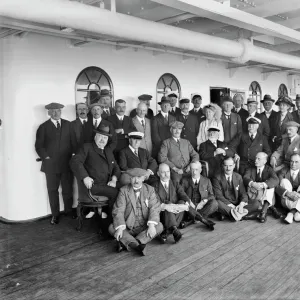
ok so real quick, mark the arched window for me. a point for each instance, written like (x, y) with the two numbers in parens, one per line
(167, 83)
(255, 92)
(282, 91)
(89, 84)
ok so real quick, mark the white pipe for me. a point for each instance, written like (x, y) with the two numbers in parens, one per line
(83, 17)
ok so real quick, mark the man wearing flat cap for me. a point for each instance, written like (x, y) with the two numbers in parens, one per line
(55, 148)
(174, 110)
(232, 123)
(190, 122)
(213, 151)
(250, 144)
(197, 110)
(278, 126)
(177, 153)
(160, 125)
(289, 145)
(136, 214)
(135, 157)
(296, 113)
(145, 98)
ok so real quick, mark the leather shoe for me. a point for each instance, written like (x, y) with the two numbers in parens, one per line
(262, 217)
(141, 249)
(250, 217)
(177, 235)
(120, 247)
(276, 214)
(54, 220)
(185, 224)
(163, 237)
(208, 223)
(219, 216)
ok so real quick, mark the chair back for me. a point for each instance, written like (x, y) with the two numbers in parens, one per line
(83, 194)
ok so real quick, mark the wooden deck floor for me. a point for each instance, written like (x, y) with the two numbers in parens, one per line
(244, 260)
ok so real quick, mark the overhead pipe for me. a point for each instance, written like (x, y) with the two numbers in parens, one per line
(83, 17)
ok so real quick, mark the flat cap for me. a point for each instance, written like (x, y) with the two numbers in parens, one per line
(171, 94)
(292, 124)
(135, 135)
(184, 100)
(54, 105)
(226, 99)
(253, 120)
(163, 100)
(145, 97)
(177, 124)
(267, 97)
(251, 100)
(103, 129)
(285, 99)
(213, 128)
(105, 92)
(136, 172)
(196, 95)
(95, 104)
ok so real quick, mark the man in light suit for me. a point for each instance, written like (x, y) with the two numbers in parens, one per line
(177, 153)
(238, 102)
(262, 178)
(174, 111)
(160, 125)
(289, 145)
(197, 110)
(105, 102)
(135, 157)
(289, 189)
(231, 194)
(142, 124)
(136, 214)
(55, 148)
(122, 125)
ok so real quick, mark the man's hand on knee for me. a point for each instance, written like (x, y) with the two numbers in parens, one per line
(88, 182)
(119, 233)
(151, 231)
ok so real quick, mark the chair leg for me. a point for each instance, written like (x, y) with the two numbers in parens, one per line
(80, 217)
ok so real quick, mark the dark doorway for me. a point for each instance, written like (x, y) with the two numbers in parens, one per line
(216, 93)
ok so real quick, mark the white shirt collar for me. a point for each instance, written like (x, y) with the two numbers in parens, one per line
(120, 117)
(173, 108)
(228, 176)
(294, 173)
(176, 139)
(164, 114)
(164, 183)
(268, 112)
(55, 121)
(293, 138)
(98, 120)
(132, 149)
(81, 120)
(283, 115)
(140, 119)
(253, 114)
(195, 179)
(197, 109)
(238, 109)
(260, 169)
(254, 134)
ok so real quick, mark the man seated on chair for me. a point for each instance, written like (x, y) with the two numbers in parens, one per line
(261, 181)
(200, 192)
(289, 189)
(136, 214)
(177, 153)
(231, 194)
(135, 157)
(290, 145)
(213, 151)
(95, 165)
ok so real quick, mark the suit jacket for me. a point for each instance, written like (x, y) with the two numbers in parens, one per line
(112, 112)
(124, 210)
(57, 144)
(220, 188)
(146, 141)
(286, 173)
(179, 156)
(233, 132)
(149, 114)
(177, 111)
(268, 176)
(128, 160)
(79, 134)
(285, 150)
(271, 117)
(126, 125)
(296, 116)
(243, 113)
(176, 194)
(160, 130)
(205, 187)
(199, 114)
(206, 152)
(90, 161)
(248, 149)
(190, 129)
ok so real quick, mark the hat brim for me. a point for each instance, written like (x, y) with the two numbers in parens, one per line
(286, 102)
(102, 132)
(262, 101)
(136, 137)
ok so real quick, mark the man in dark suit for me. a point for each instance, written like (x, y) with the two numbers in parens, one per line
(278, 127)
(231, 194)
(144, 99)
(122, 125)
(160, 125)
(232, 123)
(213, 151)
(135, 157)
(54, 146)
(197, 110)
(238, 102)
(250, 144)
(296, 113)
(262, 178)
(191, 126)
(105, 102)
(289, 189)
(174, 111)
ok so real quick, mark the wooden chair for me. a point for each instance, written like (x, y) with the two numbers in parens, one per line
(86, 199)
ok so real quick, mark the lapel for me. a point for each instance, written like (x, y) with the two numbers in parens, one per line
(162, 192)
(210, 144)
(52, 126)
(247, 139)
(224, 182)
(172, 141)
(293, 146)
(143, 197)
(131, 196)
(78, 129)
(132, 155)
(201, 187)
(160, 119)
(235, 185)
(125, 122)
(138, 125)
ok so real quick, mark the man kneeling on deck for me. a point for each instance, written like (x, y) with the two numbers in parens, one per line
(231, 194)
(289, 189)
(261, 181)
(136, 214)
(174, 202)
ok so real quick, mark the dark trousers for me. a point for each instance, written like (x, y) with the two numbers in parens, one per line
(105, 190)
(53, 181)
(208, 209)
(225, 210)
(170, 219)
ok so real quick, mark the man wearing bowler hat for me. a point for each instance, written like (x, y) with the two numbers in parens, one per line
(160, 125)
(136, 214)
(296, 113)
(54, 146)
(145, 98)
(105, 102)
(190, 122)
(197, 110)
(269, 113)
(174, 111)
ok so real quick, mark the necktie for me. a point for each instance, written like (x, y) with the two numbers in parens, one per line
(229, 182)
(166, 118)
(166, 188)
(143, 124)
(83, 123)
(178, 142)
(136, 153)
(107, 112)
(252, 137)
(96, 124)
(57, 125)
(227, 116)
(137, 193)
(290, 141)
(196, 182)
(293, 176)
(195, 110)
(259, 174)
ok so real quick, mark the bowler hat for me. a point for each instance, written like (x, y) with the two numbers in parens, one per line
(267, 97)
(103, 129)
(54, 105)
(163, 100)
(226, 99)
(251, 100)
